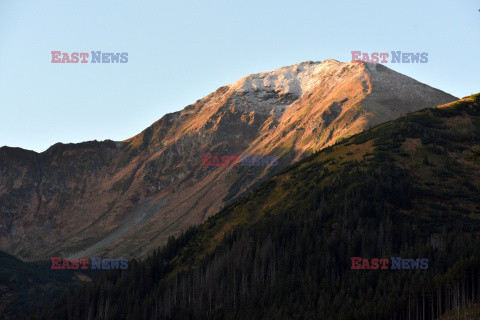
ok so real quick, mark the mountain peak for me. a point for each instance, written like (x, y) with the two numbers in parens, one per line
(78, 193)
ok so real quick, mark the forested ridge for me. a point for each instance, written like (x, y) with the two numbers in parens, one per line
(407, 188)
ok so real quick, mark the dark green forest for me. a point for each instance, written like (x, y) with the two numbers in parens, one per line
(28, 286)
(406, 188)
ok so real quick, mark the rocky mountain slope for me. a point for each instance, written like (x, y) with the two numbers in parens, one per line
(405, 189)
(124, 198)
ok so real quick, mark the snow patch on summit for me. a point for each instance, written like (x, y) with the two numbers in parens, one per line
(275, 90)
(295, 79)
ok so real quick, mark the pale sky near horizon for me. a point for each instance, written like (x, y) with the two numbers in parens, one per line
(180, 51)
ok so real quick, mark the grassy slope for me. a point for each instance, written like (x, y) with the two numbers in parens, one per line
(444, 185)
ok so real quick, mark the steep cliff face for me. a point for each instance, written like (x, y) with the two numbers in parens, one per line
(45, 198)
(124, 198)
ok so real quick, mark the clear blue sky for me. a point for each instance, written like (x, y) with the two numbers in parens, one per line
(180, 51)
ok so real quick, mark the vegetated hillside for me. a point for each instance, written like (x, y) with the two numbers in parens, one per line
(406, 188)
(116, 199)
(27, 286)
